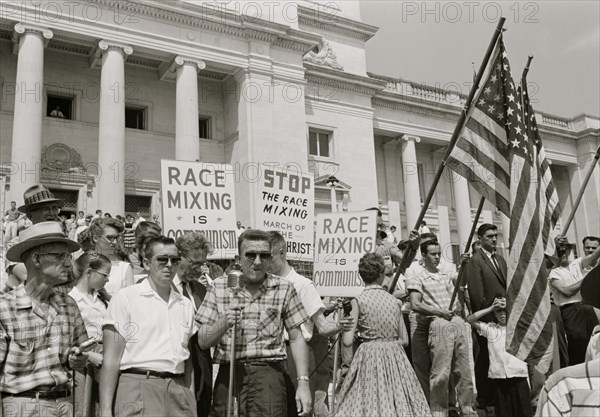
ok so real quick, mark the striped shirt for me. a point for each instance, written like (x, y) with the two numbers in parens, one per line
(34, 343)
(435, 287)
(572, 391)
(259, 334)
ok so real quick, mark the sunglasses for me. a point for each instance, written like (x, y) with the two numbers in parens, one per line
(251, 256)
(162, 261)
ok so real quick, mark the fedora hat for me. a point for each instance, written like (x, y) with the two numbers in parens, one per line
(590, 287)
(37, 194)
(37, 235)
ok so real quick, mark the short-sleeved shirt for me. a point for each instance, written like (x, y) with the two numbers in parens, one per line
(93, 312)
(503, 365)
(567, 276)
(260, 335)
(593, 348)
(34, 344)
(435, 287)
(311, 300)
(156, 332)
(572, 391)
(13, 215)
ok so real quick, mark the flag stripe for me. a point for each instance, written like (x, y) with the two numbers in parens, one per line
(489, 167)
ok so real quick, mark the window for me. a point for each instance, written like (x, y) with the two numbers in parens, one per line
(138, 204)
(59, 107)
(135, 118)
(204, 127)
(319, 143)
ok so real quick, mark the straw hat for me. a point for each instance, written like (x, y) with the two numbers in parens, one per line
(590, 287)
(35, 195)
(37, 235)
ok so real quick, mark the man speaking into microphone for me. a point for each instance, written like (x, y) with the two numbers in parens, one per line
(262, 305)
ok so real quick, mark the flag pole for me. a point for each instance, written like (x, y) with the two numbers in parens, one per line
(526, 69)
(581, 191)
(411, 251)
(463, 263)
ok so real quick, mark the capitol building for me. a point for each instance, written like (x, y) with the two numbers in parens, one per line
(95, 93)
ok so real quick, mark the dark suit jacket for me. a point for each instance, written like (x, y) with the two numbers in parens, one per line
(201, 360)
(485, 282)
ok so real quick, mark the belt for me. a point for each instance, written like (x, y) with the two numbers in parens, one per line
(163, 375)
(48, 395)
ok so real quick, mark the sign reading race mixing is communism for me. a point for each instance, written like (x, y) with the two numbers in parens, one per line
(286, 201)
(341, 240)
(198, 196)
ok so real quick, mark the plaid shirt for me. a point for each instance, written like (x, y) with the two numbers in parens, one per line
(260, 331)
(435, 287)
(34, 344)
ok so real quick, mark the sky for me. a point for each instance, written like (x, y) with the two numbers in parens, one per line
(435, 43)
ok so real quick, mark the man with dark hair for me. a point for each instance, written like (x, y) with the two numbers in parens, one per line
(263, 307)
(194, 275)
(430, 292)
(486, 278)
(146, 339)
(12, 217)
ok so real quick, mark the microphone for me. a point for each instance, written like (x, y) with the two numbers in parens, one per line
(233, 281)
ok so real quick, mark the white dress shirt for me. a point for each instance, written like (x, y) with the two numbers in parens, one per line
(310, 298)
(502, 364)
(156, 333)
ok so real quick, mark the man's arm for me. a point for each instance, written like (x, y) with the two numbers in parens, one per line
(209, 335)
(300, 355)
(114, 345)
(475, 284)
(567, 290)
(417, 305)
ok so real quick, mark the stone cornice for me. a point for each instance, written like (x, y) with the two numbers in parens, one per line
(324, 20)
(220, 20)
(414, 105)
(342, 80)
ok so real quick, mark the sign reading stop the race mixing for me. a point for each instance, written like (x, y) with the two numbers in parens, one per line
(286, 201)
(341, 240)
(199, 196)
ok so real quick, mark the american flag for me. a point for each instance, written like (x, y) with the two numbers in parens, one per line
(499, 156)
(548, 195)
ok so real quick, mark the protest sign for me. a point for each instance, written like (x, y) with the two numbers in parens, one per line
(341, 240)
(286, 201)
(199, 196)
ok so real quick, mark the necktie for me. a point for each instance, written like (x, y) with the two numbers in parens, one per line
(184, 290)
(496, 263)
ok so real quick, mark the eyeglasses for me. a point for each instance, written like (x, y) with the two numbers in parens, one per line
(104, 274)
(112, 239)
(251, 256)
(60, 256)
(195, 265)
(162, 261)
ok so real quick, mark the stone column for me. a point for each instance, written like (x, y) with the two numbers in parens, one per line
(111, 134)
(26, 152)
(187, 144)
(410, 176)
(462, 204)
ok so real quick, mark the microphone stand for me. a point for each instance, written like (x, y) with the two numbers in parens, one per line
(232, 278)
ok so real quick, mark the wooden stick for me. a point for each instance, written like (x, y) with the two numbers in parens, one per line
(463, 264)
(336, 357)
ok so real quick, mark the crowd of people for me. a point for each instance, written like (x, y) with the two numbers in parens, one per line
(106, 316)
